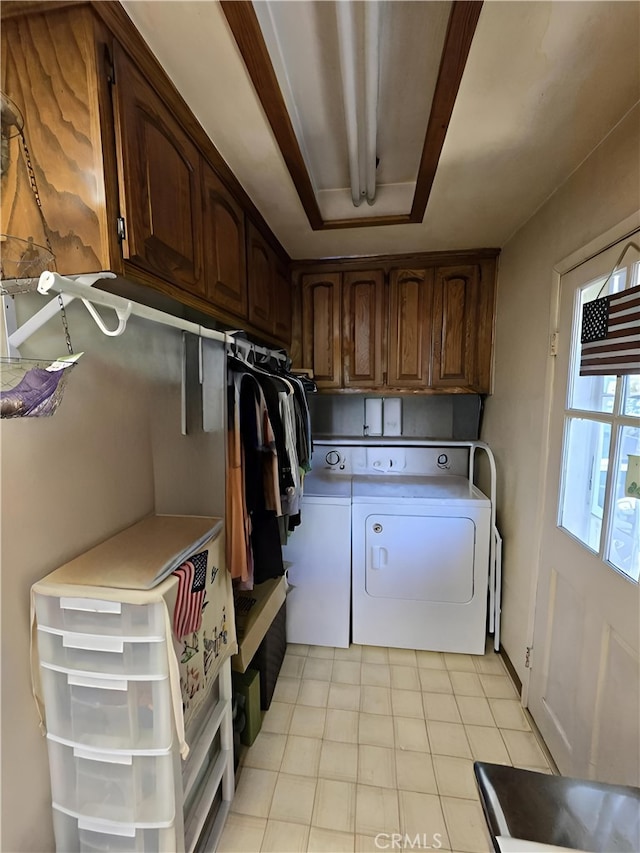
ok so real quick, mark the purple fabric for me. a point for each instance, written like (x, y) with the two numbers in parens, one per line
(34, 395)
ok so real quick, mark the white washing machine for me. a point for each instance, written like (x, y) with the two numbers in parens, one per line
(401, 531)
(420, 551)
(318, 557)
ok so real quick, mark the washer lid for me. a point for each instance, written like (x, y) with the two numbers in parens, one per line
(450, 489)
(326, 485)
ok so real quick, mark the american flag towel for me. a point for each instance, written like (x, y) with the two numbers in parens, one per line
(192, 578)
(611, 335)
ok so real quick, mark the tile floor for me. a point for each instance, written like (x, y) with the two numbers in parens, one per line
(369, 740)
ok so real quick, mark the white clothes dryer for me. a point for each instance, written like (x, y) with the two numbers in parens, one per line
(395, 534)
(420, 558)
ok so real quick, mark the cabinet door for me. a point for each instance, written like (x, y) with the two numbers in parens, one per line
(52, 69)
(364, 324)
(321, 328)
(483, 326)
(224, 246)
(282, 304)
(455, 302)
(159, 178)
(410, 303)
(260, 272)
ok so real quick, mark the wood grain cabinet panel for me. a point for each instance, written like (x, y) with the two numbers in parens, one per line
(484, 326)
(260, 274)
(410, 305)
(321, 328)
(364, 325)
(52, 70)
(282, 299)
(160, 188)
(455, 311)
(224, 246)
(128, 179)
(422, 327)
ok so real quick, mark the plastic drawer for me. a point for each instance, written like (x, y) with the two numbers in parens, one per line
(103, 654)
(98, 616)
(77, 834)
(107, 712)
(120, 787)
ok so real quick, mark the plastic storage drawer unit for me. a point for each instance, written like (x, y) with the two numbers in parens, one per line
(77, 834)
(98, 616)
(95, 653)
(120, 787)
(108, 712)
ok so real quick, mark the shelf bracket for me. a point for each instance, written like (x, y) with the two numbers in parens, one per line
(17, 335)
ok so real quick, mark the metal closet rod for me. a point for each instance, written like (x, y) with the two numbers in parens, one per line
(241, 347)
(82, 288)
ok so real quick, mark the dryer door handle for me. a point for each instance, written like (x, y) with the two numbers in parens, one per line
(379, 557)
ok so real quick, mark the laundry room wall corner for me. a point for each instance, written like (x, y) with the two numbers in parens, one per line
(601, 193)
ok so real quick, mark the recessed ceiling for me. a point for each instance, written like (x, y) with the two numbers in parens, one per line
(358, 95)
(543, 84)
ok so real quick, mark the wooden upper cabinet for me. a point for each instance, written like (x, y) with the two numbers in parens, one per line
(282, 304)
(269, 288)
(52, 70)
(260, 272)
(422, 329)
(455, 336)
(224, 246)
(364, 322)
(484, 326)
(159, 178)
(127, 178)
(321, 328)
(410, 305)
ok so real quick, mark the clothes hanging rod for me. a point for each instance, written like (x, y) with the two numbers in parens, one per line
(53, 281)
(125, 307)
(82, 288)
(234, 344)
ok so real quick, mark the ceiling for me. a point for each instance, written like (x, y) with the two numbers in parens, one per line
(543, 84)
(358, 95)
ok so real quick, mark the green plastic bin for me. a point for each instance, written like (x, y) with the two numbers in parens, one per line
(248, 685)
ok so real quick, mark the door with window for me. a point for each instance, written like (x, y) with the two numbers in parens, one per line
(584, 690)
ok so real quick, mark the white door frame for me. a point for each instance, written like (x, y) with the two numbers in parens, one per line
(590, 250)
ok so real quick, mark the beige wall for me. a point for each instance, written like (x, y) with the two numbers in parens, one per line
(110, 455)
(603, 192)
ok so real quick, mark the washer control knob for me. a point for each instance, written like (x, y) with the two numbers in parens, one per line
(443, 461)
(332, 457)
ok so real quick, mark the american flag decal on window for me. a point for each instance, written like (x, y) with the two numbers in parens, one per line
(611, 335)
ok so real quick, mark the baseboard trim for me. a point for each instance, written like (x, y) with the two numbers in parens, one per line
(534, 728)
(511, 670)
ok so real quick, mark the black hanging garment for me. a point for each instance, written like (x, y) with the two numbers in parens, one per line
(265, 534)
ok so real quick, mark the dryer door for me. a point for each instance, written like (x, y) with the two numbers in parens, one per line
(419, 557)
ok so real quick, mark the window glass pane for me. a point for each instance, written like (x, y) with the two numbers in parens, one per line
(631, 396)
(593, 393)
(584, 477)
(624, 539)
